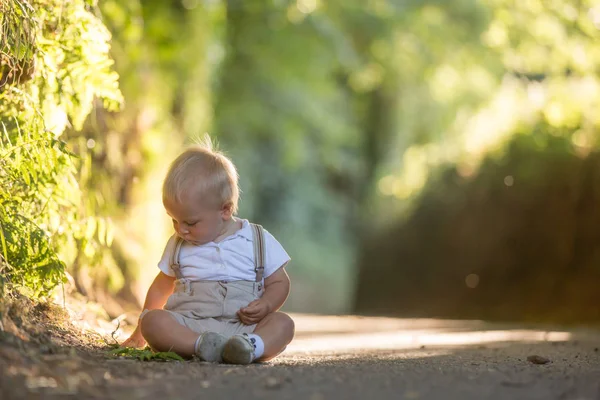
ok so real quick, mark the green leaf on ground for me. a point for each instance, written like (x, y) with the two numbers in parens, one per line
(145, 354)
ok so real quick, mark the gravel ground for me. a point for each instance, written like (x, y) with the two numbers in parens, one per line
(332, 358)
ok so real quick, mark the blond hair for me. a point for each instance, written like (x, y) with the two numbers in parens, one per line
(207, 171)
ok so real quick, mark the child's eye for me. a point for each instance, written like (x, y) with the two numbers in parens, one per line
(191, 223)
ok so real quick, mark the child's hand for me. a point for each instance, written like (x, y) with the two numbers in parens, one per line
(254, 312)
(136, 340)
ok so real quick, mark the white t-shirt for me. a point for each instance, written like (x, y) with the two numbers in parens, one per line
(229, 260)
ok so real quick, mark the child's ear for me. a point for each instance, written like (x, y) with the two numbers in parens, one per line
(227, 210)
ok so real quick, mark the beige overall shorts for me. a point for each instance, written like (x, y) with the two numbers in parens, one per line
(213, 305)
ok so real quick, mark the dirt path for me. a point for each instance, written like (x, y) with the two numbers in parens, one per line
(331, 358)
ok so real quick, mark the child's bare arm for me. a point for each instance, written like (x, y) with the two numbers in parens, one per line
(277, 289)
(160, 290)
(158, 293)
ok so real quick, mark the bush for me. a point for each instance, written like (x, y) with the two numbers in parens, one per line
(54, 64)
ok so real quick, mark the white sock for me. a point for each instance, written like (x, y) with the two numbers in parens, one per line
(259, 345)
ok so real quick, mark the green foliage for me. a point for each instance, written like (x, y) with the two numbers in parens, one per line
(44, 222)
(145, 354)
(527, 66)
(18, 29)
(29, 170)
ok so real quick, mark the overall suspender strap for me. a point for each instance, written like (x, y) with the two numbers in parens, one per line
(175, 258)
(258, 236)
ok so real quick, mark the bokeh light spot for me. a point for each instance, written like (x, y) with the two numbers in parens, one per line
(189, 4)
(472, 281)
(306, 6)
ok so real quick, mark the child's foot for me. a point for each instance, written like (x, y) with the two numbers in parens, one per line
(209, 346)
(240, 349)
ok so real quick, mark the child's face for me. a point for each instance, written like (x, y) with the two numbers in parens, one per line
(195, 223)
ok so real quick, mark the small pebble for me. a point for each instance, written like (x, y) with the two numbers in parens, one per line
(538, 359)
(273, 383)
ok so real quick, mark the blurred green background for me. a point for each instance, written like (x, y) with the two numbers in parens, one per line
(415, 158)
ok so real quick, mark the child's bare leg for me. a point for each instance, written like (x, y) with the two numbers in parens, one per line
(277, 331)
(164, 333)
